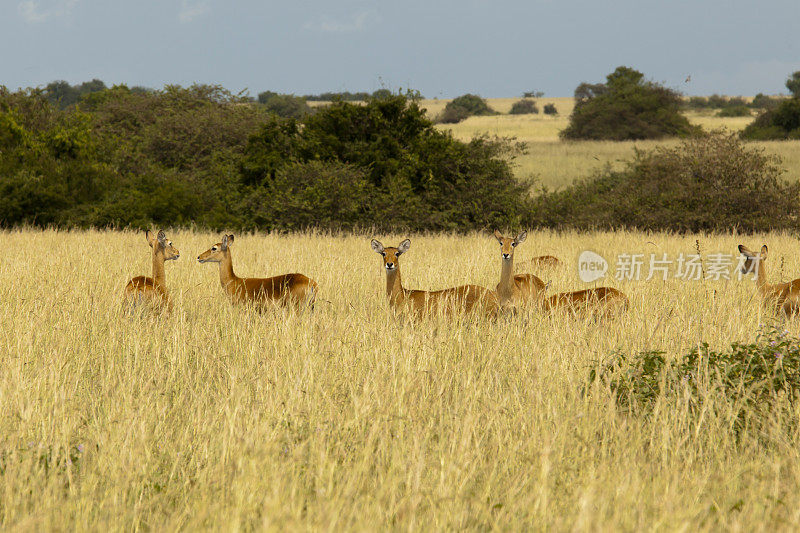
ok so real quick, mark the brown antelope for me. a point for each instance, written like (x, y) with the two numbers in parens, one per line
(783, 296)
(541, 261)
(515, 289)
(153, 290)
(465, 298)
(600, 301)
(287, 289)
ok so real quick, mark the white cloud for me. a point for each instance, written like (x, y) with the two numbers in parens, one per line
(191, 10)
(355, 23)
(33, 12)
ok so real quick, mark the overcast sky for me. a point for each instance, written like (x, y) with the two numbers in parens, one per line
(442, 48)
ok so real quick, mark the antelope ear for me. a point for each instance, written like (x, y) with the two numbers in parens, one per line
(162, 238)
(498, 236)
(224, 243)
(521, 237)
(230, 239)
(746, 251)
(404, 246)
(148, 236)
(377, 247)
(764, 252)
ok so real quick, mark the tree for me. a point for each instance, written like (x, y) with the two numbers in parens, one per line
(626, 107)
(464, 106)
(793, 84)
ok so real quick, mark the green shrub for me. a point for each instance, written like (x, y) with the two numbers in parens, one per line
(284, 105)
(421, 178)
(464, 106)
(751, 379)
(331, 196)
(781, 122)
(524, 107)
(550, 109)
(793, 84)
(697, 102)
(734, 111)
(762, 101)
(626, 108)
(709, 183)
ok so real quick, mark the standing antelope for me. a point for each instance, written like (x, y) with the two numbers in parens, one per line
(294, 289)
(783, 296)
(467, 297)
(515, 289)
(154, 290)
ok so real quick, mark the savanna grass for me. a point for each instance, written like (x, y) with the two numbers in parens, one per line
(349, 418)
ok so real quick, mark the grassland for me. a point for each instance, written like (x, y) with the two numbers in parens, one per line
(348, 418)
(555, 164)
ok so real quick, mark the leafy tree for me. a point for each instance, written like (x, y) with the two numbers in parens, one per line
(550, 109)
(465, 106)
(793, 84)
(416, 176)
(626, 107)
(779, 122)
(524, 107)
(284, 105)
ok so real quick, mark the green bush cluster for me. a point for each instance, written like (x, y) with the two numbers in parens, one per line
(734, 111)
(712, 182)
(285, 105)
(200, 155)
(550, 109)
(754, 378)
(781, 122)
(524, 107)
(625, 108)
(463, 107)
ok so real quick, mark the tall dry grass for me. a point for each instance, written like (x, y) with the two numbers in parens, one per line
(348, 418)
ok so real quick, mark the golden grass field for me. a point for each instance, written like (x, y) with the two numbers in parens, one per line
(348, 418)
(556, 164)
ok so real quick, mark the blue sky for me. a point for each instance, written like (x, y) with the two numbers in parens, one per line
(441, 48)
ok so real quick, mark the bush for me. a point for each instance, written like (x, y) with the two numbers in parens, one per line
(626, 108)
(734, 111)
(781, 122)
(464, 106)
(708, 183)
(420, 178)
(331, 196)
(697, 102)
(284, 105)
(524, 107)
(550, 109)
(793, 84)
(762, 101)
(751, 378)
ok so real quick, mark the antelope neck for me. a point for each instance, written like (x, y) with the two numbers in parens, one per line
(158, 266)
(226, 275)
(394, 286)
(507, 277)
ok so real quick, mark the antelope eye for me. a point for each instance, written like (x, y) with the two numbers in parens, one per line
(213, 248)
(383, 254)
(513, 245)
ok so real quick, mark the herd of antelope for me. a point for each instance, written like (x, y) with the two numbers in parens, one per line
(514, 291)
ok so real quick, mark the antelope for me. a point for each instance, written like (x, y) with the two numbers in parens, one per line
(783, 296)
(514, 289)
(600, 301)
(283, 290)
(548, 261)
(464, 298)
(154, 290)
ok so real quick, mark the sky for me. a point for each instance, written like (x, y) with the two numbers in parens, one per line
(442, 48)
